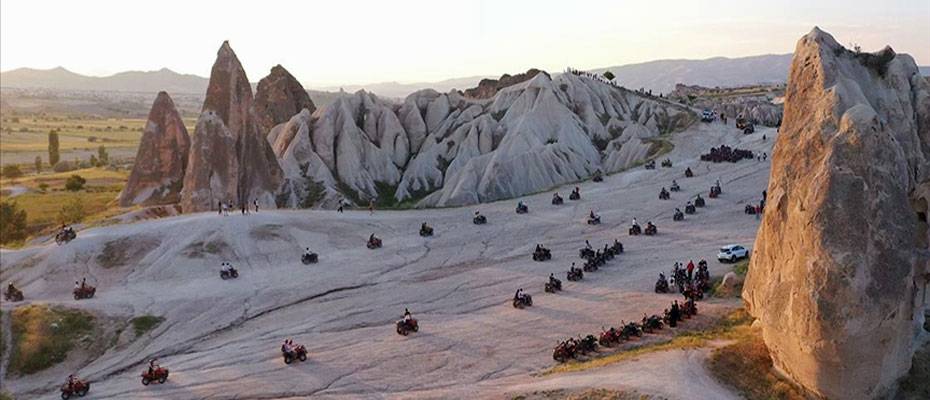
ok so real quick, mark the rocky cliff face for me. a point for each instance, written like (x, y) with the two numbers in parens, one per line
(230, 160)
(158, 172)
(279, 97)
(446, 149)
(839, 271)
(487, 88)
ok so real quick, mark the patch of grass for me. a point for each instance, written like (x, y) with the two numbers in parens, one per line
(43, 336)
(741, 267)
(734, 325)
(659, 146)
(747, 367)
(145, 323)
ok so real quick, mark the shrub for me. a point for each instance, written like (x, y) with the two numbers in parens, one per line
(145, 323)
(12, 171)
(12, 223)
(75, 183)
(53, 155)
(72, 212)
(64, 166)
(43, 186)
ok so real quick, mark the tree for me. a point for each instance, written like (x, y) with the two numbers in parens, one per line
(609, 75)
(53, 155)
(72, 212)
(12, 171)
(12, 222)
(75, 183)
(103, 156)
(38, 165)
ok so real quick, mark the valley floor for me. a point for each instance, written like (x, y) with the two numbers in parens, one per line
(221, 339)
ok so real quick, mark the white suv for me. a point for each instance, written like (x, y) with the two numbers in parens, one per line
(732, 252)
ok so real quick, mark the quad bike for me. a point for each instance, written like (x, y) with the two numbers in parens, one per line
(699, 201)
(667, 163)
(374, 243)
(479, 220)
(661, 286)
(13, 295)
(574, 196)
(716, 189)
(65, 236)
(574, 275)
(79, 388)
(690, 209)
(588, 344)
(635, 230)
(608, 337)
(426, 231)
(311, 258)
(712, 194)
(675, 188)
(522, 209)
(159, 375)
(589, 266)
(651, 230)
(299, 353)
(404, 327)
(524, 301)
(586, 253)
(679, 216)
(749, 209)
(553, 286)
(231, 274)
(652, 323)
(564, 351)
(631, 329)
(557, 200)
(651, 164)
(617, 247)
(85, 292)
(664, 195)
(598, 177)
(542, 255)
(688, 173)
(594, 221)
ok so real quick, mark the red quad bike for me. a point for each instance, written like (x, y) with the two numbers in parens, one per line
(609, 337)
(374, 243)
(405, 327)
(80, 388)
(299, 353)
(159, 375)
(85, 292)
(563, 352)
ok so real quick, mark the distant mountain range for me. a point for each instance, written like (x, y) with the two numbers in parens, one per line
(659, 76)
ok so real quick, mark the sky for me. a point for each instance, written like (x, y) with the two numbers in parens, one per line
(343, 42)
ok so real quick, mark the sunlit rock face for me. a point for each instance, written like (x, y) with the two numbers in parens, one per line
(839, 271)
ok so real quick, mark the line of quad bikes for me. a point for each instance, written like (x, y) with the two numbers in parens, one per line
(568, 349)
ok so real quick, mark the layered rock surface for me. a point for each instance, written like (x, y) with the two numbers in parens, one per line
(444, 149)
(839, 271)
(278, 97)
(487, 88)
(158, 172)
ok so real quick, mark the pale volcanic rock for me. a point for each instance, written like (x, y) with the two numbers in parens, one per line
(158, 171)
(839, 270)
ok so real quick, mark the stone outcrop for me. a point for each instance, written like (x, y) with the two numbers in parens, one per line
(230, 159)
(839, 271)
(487, 88)
(279, 97)
(446, 149)
(158, 172)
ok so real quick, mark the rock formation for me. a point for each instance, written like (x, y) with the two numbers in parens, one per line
(487, 88)
(447, 149)
(230, 159)
(838, 276)
(158, 172)
(279, 97)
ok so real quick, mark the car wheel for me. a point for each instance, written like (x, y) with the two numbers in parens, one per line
(733, 258)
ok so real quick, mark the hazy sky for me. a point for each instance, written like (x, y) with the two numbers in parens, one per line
(349, 42)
